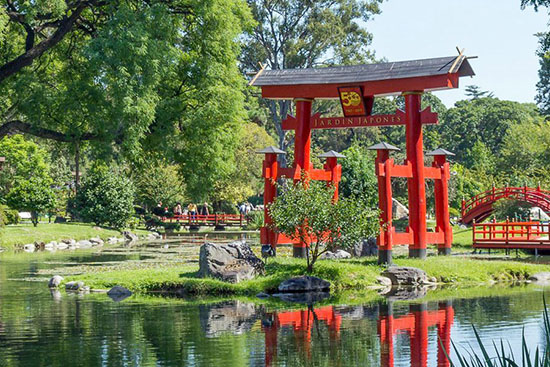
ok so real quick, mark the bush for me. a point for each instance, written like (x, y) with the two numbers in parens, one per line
(255, 219)
(34, 195)
(171, 226)
(105, 197)
(9, 215)
(305, 212)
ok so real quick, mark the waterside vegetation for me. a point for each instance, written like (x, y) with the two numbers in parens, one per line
(344, 275)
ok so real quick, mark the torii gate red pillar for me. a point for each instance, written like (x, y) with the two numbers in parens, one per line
(302, 153)
(416, 184)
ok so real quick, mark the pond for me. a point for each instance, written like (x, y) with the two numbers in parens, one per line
(43, 328)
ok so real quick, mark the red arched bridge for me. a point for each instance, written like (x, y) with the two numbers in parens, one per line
(480, 206)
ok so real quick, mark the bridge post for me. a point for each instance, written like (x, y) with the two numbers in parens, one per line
(416, 184)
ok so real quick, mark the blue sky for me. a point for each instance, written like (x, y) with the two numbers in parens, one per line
(497, 31)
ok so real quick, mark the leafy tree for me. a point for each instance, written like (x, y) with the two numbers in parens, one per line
(475, 92)
(34, 195)
(168, 81)
(299, 34)
(358, 176)
(24, 160)
(486, 119)
(106, 197)
(157, 181)
(245, 179)
(306, 212)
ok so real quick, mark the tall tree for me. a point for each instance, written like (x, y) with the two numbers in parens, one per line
(167, 81)
(305, 33)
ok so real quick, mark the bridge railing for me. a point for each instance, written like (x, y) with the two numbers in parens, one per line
(511, 234)
(533, 195)
(210, 219)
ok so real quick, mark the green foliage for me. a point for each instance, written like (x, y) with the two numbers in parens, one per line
(105, 197)
(511, 209)
(34, 195)
(255, 219)
(245, 178)
(358, 176)
(24, 160)
(171, 226)
(9, 215)
(156, 181)
(305, 212)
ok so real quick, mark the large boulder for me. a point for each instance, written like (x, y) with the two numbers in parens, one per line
(338, 254)
(130, 237)
(55, 281)
(367, 247)
(304, 284)
(399, 210)
(403, 275)
(231, 262)
(84, 244)
(76, 286)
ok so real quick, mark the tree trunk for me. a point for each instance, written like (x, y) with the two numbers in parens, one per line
(34, 218)
(76, 167)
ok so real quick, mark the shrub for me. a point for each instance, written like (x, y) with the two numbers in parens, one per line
(34, 195)
(255, 219)
(105, 197)
(10, 216)
(171, 226)
(305, 212)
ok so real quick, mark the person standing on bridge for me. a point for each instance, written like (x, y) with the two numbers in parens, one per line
(192, 208)
(204, 209)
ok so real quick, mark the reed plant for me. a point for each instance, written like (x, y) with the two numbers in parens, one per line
(504, 356)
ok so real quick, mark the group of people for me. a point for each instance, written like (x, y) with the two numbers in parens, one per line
(192, 210)
(245, 208)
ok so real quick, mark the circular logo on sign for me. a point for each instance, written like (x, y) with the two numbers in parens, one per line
(354, 99)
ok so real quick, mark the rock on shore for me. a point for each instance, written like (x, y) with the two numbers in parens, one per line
(231, 262)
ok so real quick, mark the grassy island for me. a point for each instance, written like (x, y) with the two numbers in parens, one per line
(345, 275)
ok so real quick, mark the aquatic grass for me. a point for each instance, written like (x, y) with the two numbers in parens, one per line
(505, 359)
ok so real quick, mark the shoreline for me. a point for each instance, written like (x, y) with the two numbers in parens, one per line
(344, 275)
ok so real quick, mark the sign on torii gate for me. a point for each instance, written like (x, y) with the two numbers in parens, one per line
(408, 78)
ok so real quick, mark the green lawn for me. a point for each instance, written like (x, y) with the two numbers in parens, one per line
(462, 237)
(353, 274)
(22, 234)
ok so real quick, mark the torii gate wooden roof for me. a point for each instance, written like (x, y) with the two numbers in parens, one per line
(376, 79)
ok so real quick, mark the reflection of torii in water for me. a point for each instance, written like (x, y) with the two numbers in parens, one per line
(416, 324)
(302, 322)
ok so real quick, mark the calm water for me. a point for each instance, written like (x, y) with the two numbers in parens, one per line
(39, 328)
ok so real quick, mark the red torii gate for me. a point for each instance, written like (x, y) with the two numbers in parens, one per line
(415, 323)
(364, 82)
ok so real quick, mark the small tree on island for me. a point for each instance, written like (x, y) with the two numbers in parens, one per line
(105, 197)
(34, 195)
(305, 212)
